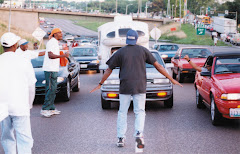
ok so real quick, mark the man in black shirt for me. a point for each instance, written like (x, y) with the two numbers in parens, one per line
(132, 61)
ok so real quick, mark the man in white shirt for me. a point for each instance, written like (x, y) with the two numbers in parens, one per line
(51, 68)
(23, 50)
(15, 92)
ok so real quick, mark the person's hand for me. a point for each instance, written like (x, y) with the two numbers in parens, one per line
(176, 83)
(66, 54)
(98, 87)
(186, 57)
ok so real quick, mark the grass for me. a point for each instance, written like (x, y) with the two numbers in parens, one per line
(192, 37)
(1, 49)
(92, 25)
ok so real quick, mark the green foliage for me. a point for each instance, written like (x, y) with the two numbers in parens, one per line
(1, 49)
(1, 1)
(92, 25)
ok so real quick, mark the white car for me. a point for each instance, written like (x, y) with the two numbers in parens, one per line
(68, 38)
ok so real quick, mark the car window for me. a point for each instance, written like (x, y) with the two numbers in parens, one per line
(229, 64)
(123, 32)
(111, 34)
(37, 62)
(166, 48)
(196, 53)
(78, 52)
(140, 33)
(158, 58)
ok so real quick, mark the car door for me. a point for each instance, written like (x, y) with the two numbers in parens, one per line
(175, 61)
(73, 69)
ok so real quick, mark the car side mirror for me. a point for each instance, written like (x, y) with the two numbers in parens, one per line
(207, 73)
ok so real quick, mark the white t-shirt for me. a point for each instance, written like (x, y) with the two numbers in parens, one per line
(215, 40)
(16, 79)
(51, 65)
(27, 54)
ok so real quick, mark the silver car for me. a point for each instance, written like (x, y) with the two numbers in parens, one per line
(159, 88)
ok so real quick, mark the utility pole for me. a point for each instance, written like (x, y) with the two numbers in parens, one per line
(116, 6)
(168, 8)
(9, 20)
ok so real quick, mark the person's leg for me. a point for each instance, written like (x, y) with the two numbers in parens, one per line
(8, 139)
(122, 115)
(139, 101)
(22, 127)
(53, 89)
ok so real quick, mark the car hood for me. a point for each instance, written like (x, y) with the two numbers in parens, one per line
(88, 58)
(182, 63)
(152, 73)
(228, 82)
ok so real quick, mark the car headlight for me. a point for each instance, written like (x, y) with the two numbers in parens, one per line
(164, 56)
(59, 79)
(112, 82)
(230, 96)
(161, 81)
(95, 61)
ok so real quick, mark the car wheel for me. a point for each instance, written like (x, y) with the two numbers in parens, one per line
(173, 75)
(98, 70)
(215, 114)
(199, 101)
(105, 104)
(67, 92)
(77, 87)
(169, 103)
(180, 77)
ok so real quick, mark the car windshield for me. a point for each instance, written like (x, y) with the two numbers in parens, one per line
(166, 48)
(37, 62)
(196, 53)
(158, 58)
(79, 52)
(229, 64)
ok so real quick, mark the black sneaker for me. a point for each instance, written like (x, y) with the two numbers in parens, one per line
(139, 140)
(120, 142)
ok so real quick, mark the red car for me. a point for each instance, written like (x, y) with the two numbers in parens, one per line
(218, 87)
(181, 68)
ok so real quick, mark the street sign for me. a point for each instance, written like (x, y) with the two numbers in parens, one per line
(200, 31)
(211, 12)
(39, 34)
(226, 12)
(209, 9)
(155, 33)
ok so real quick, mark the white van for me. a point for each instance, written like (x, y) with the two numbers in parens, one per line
(113, 34)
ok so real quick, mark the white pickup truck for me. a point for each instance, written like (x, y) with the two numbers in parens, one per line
(224, 25)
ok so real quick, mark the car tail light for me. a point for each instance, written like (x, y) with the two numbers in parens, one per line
(111, 95)
(162, 94)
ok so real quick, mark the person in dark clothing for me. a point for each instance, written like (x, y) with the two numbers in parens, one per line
(132, 61)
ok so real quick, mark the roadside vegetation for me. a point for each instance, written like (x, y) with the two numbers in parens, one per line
(92, 25)
(191, 37)
(22, 34)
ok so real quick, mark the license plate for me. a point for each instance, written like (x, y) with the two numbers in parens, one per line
(83, 65)
(234, 112)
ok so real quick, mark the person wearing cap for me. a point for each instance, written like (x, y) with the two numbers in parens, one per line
(15, 92)
(23, 50)
(35, 46)
(51, 65)
(132, 60)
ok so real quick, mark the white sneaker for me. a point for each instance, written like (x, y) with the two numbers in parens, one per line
(46, 113)
(55, 111)
(121, 142)
(139, 140)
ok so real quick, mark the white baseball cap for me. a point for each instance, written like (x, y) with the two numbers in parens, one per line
(9, 39)
(22, 42)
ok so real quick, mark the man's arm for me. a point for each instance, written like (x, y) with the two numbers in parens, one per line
(53, 56)
(41, 53)
(196, 67)
(161, 69)
(106, 74)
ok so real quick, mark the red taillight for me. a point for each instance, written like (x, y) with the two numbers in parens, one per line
(162, 94)
(111, 95)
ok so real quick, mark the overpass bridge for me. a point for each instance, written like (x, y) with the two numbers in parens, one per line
(27, 19)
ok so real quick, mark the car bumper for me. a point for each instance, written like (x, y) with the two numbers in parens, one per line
(225, 106)
(188, 72)
(167, 60)
(151, 92)
(40, 89)
(90, 66)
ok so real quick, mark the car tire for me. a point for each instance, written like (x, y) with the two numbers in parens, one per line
(105, 104)
(199, 101)
(67, 92)
(215, 114)
(77, 87)
(98, 70)
(169, 103)
(180, 77)
(173, 75)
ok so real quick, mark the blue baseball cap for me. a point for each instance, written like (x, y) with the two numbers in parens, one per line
(132, 37)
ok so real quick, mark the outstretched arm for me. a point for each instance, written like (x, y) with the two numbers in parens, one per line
(106, 74)
(53, 56)
(196, 67)
(161, 69)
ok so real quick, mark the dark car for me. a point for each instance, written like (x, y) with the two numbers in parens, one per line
(87, 57)
(68, 78)
(167, 51)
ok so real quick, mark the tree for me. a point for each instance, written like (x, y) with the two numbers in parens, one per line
(157, 6)
(1, 1)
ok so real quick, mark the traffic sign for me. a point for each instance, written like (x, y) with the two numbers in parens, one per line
(200, 31)
(38, 33)
(155, 33)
